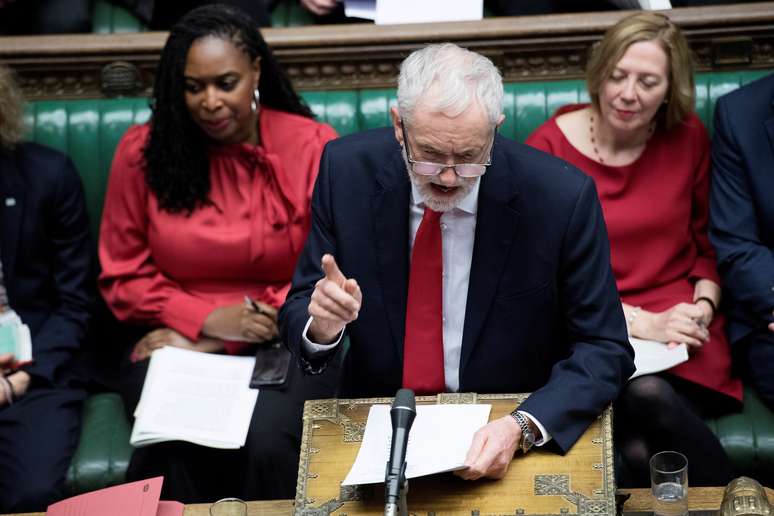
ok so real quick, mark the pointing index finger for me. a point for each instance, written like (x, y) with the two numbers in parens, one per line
(331, 270)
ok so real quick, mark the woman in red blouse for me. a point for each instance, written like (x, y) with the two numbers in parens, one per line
(649, 156)
(206, 204)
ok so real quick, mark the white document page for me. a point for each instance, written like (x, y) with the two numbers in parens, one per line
(360, 9)
(651, 356)
(438, 441)
(655, 5)
(427, 11)
(203, 398)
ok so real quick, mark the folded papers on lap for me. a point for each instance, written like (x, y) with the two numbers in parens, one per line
(202, 398)
(651, 356)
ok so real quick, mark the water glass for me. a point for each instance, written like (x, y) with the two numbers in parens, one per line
(228, 507)
(669, 483)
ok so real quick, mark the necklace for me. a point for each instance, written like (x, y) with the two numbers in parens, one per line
(594, 140)
(592, 136)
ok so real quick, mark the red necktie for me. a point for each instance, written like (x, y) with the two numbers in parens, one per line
(423, 347)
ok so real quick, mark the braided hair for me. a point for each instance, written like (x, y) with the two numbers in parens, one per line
(176, 158)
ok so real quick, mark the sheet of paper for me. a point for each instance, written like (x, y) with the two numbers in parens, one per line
(139, 498)
(438, 441)
(203, 398)
(654, 5)
(426, 11)
(15, 337)
(360, 9)
(651, 356)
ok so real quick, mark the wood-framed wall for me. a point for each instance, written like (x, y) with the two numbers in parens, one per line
(734, 36)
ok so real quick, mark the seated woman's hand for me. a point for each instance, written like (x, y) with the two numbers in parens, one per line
(238, 322)
(683, 322)
(169, 337)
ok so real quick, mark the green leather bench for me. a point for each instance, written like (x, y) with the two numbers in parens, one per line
(88, 130)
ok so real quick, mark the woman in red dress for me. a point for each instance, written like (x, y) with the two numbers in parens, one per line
(649, 155)
(207, 203)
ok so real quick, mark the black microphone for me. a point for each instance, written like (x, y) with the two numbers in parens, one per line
(402, 414)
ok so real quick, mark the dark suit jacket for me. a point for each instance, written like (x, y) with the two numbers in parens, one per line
(742, 204)
(46, 254)
(543, 313)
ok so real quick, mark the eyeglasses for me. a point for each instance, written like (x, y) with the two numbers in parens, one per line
(424, 168)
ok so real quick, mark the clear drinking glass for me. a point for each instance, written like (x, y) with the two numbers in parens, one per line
(669, 483)
(228, 507)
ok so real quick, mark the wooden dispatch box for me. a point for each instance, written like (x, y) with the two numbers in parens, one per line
(541, 483)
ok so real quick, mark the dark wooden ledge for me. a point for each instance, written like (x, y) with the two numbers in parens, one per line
(739, 36)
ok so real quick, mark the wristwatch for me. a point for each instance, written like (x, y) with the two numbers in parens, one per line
(527, 440)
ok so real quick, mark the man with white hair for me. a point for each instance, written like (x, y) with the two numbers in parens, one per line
(458, 260)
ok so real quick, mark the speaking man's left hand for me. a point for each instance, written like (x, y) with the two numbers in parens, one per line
(492, 450)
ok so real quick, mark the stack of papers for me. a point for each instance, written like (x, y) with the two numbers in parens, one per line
(651, 356)
(438, 441)
(202, 398)
(15, 337)
(139, 498)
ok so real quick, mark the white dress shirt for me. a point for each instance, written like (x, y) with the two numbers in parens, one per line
(458, 230)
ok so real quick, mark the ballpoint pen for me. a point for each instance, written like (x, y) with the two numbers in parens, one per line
(252, 304)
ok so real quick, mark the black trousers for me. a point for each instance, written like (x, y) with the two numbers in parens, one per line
(663, 412)
(265, 469)
(38, 436)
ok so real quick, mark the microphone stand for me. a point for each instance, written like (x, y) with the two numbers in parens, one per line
(400, 508)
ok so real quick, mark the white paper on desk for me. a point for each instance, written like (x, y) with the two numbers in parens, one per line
(203, 398)
(438, 441)
(360, 9)
(427, 11)
(651, 356)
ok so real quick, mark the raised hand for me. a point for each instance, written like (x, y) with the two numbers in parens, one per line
(335, 302)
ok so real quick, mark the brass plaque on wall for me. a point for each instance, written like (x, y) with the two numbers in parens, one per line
(541, 483)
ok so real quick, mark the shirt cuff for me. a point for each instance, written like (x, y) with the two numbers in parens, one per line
(546, 437)
(313, 349)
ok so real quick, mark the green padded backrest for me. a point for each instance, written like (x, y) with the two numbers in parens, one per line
(88, 130)
(526, 104)
(112, 19)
